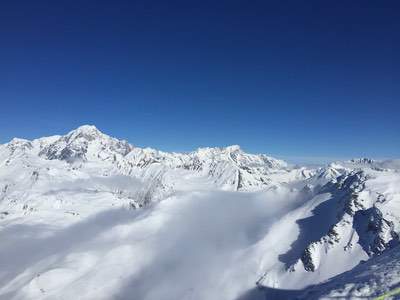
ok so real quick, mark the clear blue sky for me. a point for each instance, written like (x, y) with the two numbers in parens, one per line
(288, 78)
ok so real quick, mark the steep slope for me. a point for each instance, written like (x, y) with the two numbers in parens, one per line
(350, 219)
(377, 277)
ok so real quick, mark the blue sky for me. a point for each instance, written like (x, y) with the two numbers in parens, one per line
(292, 79)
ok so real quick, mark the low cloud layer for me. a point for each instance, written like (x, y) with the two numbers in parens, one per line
(196, 245)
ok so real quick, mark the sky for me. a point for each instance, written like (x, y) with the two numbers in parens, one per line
(292, 79)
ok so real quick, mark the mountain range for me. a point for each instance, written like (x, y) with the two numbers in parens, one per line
(89, 216)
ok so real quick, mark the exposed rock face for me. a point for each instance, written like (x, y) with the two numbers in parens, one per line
(356, 213)
(309, 259)
(376, 233)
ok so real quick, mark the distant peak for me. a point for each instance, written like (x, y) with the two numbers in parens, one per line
(363, 160)
(89, 132)
(19, 141)
(233, 148)
(87, 128)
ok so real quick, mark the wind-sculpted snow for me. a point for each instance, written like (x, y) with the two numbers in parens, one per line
(88, 216)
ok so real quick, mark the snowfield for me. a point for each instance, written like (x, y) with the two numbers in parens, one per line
(87, 216)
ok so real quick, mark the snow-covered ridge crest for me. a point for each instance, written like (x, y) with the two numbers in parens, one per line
(229, 166)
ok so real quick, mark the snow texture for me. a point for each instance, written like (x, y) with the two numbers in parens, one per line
(88, 216)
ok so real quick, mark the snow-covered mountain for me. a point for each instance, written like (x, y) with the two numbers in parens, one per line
(374, 278)
(89, 216)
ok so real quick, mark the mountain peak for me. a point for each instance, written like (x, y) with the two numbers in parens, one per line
(87, 129)
(87, 132)
(233, 148)
(85, 143)
(18, 141)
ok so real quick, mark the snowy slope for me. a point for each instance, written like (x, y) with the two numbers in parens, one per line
(376, 277)
(88, 216)
(349, 220)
